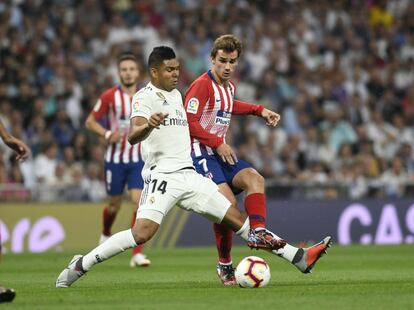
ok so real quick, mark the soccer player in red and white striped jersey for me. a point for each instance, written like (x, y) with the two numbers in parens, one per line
(123, 161)
(209, 104)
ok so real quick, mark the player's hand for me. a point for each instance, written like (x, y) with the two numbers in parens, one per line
(272, 118)
(157, 119)
(115, 137)
(227, 154)
(19, 147)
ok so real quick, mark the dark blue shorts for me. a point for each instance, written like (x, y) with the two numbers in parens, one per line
(118, 175)
(211, 166)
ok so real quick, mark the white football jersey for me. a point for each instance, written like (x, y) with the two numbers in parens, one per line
(167, 149)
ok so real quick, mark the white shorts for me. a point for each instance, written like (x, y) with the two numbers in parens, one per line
(185, 188)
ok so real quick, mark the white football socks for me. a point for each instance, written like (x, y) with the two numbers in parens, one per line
(243, 232)
(114, 245)
(287, 252)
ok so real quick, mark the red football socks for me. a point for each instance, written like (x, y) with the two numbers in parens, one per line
(138, 248)
(255, 205)
(224, 241)
(108, 220)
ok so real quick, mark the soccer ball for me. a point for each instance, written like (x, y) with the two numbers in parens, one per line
(252, 271)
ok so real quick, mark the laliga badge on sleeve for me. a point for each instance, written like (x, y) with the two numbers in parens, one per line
(192, 106)
(135, 106)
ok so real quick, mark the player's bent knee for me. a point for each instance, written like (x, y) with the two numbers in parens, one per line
(143, 230)
(255, 181)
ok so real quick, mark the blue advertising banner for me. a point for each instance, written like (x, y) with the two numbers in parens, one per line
(362, 222)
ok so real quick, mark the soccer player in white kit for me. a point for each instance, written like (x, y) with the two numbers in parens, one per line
(159, 120)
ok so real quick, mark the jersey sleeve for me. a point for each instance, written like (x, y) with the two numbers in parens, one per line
(196, 98)
(242, 108)
(101, 106)
(141, 105)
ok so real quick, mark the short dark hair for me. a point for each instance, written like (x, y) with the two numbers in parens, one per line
(159, 54)
(126, 56)
(228, 43)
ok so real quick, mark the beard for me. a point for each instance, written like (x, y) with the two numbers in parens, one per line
(128, 83)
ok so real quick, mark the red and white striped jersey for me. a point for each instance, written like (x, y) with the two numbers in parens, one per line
(209, 107)
(115, 106)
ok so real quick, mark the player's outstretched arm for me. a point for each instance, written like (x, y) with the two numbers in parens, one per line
(140, 127)
(22, 150)
(272, 118)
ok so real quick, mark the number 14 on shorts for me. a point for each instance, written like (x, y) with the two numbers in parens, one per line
(162, 186)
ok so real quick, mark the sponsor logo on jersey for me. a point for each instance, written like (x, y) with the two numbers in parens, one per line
(223, 118)
(174, 121)
(192, 106)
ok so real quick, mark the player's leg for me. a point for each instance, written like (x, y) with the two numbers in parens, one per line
(138, 258)
(142, 231)
(155, 204)
(203, 197)
(135, 185)
(115, 184)
(252, 183)
(224, 243)
(209, 167)
(109, 215)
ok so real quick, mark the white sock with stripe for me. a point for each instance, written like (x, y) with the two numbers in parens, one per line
(116, 244)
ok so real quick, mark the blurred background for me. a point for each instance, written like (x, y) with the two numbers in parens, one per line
(340, 73)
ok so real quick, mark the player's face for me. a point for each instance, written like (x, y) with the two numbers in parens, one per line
(224, 64)
(167, 74)
(128, 73)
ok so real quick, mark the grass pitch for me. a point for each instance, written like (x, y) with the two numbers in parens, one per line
(354, 277)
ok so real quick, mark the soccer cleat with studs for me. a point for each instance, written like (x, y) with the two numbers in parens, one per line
(139, 260)
(6, 294)
(226, 274)
(263, 239)
(306, 258)
(71, 273)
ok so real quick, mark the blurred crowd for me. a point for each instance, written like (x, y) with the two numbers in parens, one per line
(340, 73)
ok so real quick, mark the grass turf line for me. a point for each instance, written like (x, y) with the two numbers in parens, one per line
(380, 277)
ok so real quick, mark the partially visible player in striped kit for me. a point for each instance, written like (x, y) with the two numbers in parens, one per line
(123, 161)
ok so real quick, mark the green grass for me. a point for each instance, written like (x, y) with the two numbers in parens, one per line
(355, 277)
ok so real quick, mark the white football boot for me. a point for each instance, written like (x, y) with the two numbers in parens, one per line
(71, 273)
(139, 260)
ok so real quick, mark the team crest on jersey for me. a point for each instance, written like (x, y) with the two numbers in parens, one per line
(152, 200)
(192, 106)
